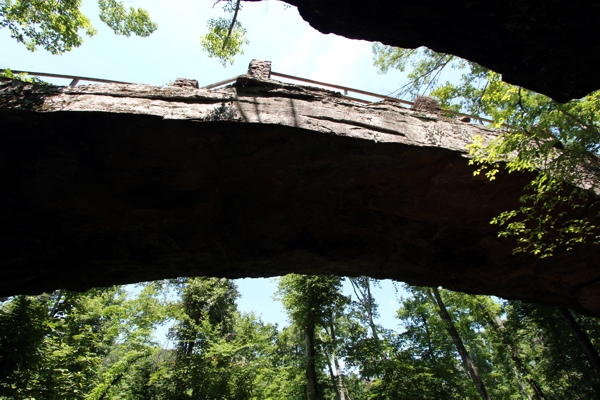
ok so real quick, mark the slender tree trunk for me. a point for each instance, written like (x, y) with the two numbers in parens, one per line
(459, 345)
(520, 383)
(364, 296)
(56, 304)
(340, 379)
(517, 360)
(520, 367)
(370, 310)
(330, 359)
(428, 337)
(311, 373)
(583, 340)
(331, 373)
(232, 25)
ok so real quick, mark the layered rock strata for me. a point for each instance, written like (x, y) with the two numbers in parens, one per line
(124, 183)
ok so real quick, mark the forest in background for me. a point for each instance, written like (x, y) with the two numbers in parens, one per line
(100, 345)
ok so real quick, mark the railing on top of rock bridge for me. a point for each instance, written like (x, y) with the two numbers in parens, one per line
(75, 79)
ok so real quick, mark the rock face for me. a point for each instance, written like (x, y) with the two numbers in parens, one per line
(124, 183)
(183, 82)
(547, 47)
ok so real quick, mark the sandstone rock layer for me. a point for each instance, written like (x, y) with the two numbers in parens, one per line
(124, 183)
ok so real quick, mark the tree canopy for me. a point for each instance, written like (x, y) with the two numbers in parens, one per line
(59, 26)
(101, 345)
(557, 141)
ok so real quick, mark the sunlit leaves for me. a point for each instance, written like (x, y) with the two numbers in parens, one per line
(558, 142)
(125, 22)
(23, 77)
(426, 66)
(226, 36)
(219, 44)
(57, 25)
(54, 25)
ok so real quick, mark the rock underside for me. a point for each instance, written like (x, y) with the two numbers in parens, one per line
(550, 47)
(124, 183)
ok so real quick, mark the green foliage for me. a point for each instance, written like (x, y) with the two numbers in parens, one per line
(220, 44)
(556, 142)
(22, 330)
(56, 25)
(115, 373)
(316, 297)
(71, 332)
(52, 24)
(426, 66)
(316, 303)
(56, 345)
(556, 360)
(285, 379)
(546, 138)
(123, 22)
(423, 362)
(219, 353)
(99, 345)
(23, 77)
(226, 36)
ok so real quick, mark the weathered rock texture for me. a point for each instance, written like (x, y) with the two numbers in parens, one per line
(260, 69)
(124, 183)
(183, 82)
(427, 104)
(550, 47)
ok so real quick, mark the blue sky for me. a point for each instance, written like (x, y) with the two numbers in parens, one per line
(276, 34)
(173, 51)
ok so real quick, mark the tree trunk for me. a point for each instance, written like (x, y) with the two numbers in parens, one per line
(583, 340)
(340, 380)
(520, 367)
(332, 374)
(517, 361)
(56, 304)
(520, 383)
(459, 345)
(329, 367)
(311, 373)
(364, 296)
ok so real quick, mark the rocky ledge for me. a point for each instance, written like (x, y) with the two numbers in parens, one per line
(124, 183)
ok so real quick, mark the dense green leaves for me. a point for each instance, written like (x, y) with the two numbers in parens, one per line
(54, 25)
(58, 25)
(558, 142)
(226, 36)
(100, 345)
(125, 22)
(53, 345)
(222, 44)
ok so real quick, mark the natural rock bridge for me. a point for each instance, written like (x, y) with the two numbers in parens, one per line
(124, 183)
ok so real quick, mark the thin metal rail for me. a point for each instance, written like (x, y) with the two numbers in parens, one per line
(376, 95)
(74, 78)
(220, 83)
(344, 88)
(347, 89)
